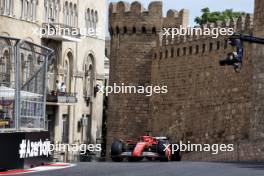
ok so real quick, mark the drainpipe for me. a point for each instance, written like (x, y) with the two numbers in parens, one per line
(75, 82)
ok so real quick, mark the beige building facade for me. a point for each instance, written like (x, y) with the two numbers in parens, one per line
(74, 115)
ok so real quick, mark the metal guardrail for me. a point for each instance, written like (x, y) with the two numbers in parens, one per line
(62, 97)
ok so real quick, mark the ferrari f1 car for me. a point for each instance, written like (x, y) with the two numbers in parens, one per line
(151, 148)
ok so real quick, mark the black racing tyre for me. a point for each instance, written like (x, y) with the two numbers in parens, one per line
(116, 150)
(161, 150)
(176, 156)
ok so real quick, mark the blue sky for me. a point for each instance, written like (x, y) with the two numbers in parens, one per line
(195, 6)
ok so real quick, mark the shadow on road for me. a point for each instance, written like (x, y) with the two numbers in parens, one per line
(250, 165)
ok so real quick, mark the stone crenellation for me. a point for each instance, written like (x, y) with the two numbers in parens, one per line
(123, 18)
(242, 24)
(195, 44)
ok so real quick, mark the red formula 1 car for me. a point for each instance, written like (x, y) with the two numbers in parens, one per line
(152, 148)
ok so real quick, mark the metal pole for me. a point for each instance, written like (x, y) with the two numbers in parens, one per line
(17, 84)
(45, 86)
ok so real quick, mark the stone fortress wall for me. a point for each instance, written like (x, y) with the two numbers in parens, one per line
(205, 103)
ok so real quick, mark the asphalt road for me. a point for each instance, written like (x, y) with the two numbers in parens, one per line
(157, 169)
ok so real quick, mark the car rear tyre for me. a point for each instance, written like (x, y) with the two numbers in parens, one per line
(116, 150)
(161, 150)
(176, 156)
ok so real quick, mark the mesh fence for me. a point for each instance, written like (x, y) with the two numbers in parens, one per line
(23, 70)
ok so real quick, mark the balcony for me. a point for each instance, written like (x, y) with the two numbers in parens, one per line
(60, 32)
(60, 98)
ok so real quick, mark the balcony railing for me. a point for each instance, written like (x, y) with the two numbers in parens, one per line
(60, 32)
(62, 98)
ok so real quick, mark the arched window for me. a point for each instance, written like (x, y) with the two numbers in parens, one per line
(95, 19)
(66, 13)
(92, 18)
(5, 69)
(50, 13)
(88, 18)
(197, 49)
(6, 7)
(96, 16)
(2, 6)
(68, 66)
(34, 10)
(75, 16)
(26, 4)
(67, 74)
(89, 76)
(29, 9)
(27, 67)
(57, 10)
(9, 7)
(46, 11)
(71, 15)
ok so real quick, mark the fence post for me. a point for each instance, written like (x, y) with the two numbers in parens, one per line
(17, 84)
(46, 85)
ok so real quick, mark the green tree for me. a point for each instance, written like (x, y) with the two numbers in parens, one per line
(211, 17)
